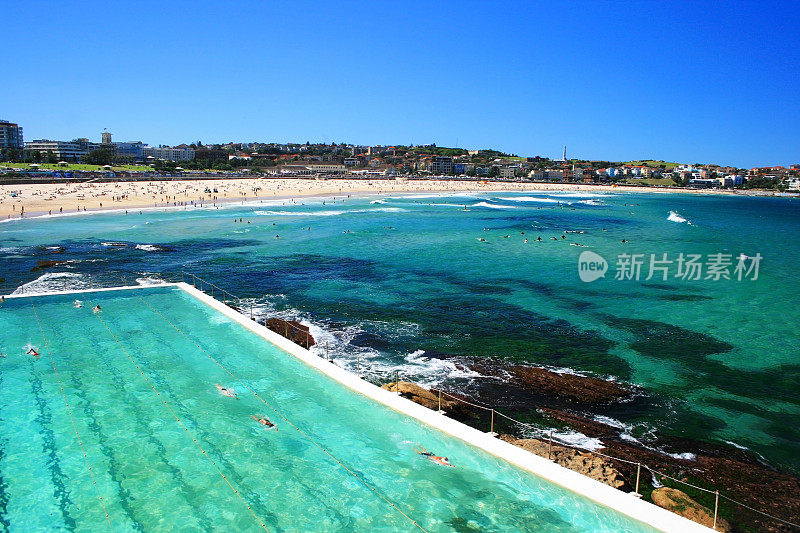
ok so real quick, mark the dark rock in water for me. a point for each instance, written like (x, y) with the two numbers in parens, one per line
(46, 263)
(546, 387)
(292, 330)
(580, 389)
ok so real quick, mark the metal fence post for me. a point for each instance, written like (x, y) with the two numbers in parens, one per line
(396, 382)
(716, 508)
(638, 474)
(440, 401)
(550, 447)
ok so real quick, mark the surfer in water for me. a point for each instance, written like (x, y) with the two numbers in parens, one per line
(439, 460)
(264, 421)
(230, 393)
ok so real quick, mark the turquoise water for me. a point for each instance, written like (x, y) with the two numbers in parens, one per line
(125, 372)
(404, 283)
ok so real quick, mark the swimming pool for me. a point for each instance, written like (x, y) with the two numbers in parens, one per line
(118, 423)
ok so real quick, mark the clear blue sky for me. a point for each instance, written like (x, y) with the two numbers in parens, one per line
(687, 81)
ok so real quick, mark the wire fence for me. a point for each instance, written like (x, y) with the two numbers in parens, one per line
(114, 280)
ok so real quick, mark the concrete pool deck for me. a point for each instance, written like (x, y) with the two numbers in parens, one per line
(623, 503)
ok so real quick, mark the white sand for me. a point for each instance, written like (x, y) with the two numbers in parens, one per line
(55, 198)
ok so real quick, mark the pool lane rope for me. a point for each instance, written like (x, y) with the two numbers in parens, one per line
(281, 415)
(178, 419)
(71, 417)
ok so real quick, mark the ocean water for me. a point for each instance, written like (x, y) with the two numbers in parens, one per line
(405, 283)
(159, 437)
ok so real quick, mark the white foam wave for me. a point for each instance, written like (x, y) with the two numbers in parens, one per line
(329, 213)
(150, 280)
(675, 217)
(739, 446)
(579, 440)
(52, 282)
(493, 206)
(148, 247)
(590, 202)
(531, 199)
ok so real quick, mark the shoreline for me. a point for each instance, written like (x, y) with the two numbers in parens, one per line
(62, 199)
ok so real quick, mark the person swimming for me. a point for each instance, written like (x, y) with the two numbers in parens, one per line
(32, 351)
(264, 421)
(230, 393)
(97, 309)
(77, 304)
(439, 460)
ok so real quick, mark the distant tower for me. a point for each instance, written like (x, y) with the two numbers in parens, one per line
(106, 137)
(565, 153)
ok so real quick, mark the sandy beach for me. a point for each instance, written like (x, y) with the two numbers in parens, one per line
(62, 198)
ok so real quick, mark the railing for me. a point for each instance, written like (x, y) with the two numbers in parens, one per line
(547, 435)
(212, 289)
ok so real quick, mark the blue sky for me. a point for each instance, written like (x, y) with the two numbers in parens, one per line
(687, 81)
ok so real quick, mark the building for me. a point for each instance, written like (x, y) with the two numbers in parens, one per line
(106, 137)
(440, 165)
(71, 151)
(132, 150)
(10, 135)
(167, 153)
(508, 172)
(210, 154)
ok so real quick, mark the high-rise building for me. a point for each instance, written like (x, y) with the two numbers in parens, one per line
(106, 136)
(10, 135)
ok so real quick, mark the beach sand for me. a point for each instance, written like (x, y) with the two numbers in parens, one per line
(58, 198)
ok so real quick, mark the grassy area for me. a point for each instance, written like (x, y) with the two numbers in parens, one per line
(76, 166)
(662, 182)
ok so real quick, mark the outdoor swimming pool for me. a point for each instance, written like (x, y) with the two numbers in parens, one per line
(134, 389)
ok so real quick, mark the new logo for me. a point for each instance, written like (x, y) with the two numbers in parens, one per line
(591, 266)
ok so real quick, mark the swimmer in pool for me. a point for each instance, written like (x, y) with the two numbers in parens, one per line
(32, 352)
(230, 393)
(435, 458)
(96, 309)
(264, 421)
(77, 304)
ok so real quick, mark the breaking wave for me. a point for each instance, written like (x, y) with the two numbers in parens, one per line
(52, 282)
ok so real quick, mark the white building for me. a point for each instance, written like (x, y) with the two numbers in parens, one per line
(63, 150)
(166, 153)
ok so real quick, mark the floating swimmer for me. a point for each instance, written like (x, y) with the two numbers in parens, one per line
(264, 421)
(77, 304)
(230, 393)
(97, 309)
(481, 239)
(439, 460)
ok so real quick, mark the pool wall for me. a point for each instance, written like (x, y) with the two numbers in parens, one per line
(624, 503)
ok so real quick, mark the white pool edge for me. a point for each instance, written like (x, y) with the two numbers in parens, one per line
(621, 502)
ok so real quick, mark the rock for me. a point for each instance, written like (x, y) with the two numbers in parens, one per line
(680, 503)
(46, 263)
(580, 389)
(544, 387)
(584, 463)
(292, 330)
(420, 395)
